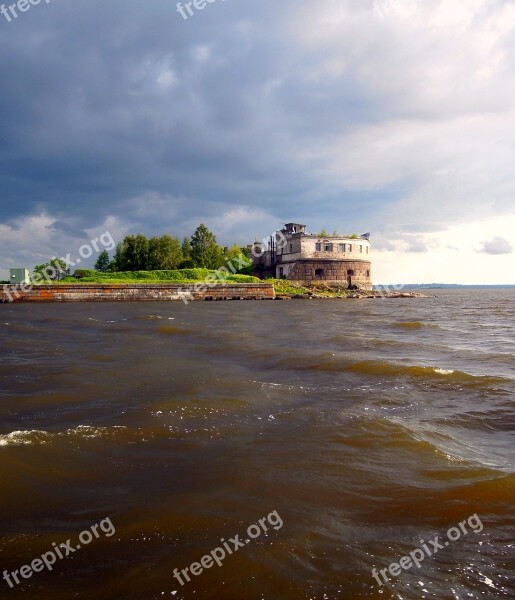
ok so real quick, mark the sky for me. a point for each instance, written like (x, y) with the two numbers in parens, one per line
(394, 117)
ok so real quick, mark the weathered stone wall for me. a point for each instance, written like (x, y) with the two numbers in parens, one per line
(333, 271)
(302, 246)
(355, 249)
(135, 292)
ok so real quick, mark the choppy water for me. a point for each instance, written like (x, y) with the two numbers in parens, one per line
(368, 426)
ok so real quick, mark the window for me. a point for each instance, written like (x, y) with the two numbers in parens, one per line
(368, 273)
(319, 247)
(319, 272)
(361, 249)
(291, 248)
(350, 271)
(328, 247)
(341, 247)
(367, 249)
(281, 272)
(350, 247)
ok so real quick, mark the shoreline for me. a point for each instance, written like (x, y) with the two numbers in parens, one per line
(177, 292)
(136, 292)
(354, 295)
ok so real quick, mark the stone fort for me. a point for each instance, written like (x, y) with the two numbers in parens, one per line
(296, 255)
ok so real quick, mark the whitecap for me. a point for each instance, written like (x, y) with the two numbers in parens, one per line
(35, 436)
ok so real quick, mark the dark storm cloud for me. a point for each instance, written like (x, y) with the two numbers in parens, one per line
(102, 101)
(67, 229)
(252, 112)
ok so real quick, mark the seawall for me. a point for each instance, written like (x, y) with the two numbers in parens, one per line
(136, 292)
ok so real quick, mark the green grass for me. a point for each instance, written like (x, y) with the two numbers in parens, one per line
(284, 287)
(320, 289)
(179, 276)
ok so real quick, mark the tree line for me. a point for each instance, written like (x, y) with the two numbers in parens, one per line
(165, 253)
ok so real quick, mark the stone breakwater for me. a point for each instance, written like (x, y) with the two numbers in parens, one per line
(355, 295)
(136, 292)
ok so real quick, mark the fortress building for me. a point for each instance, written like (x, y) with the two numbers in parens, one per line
(296, 255)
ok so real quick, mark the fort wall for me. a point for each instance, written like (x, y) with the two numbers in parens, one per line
(337, 272)
(136, 292)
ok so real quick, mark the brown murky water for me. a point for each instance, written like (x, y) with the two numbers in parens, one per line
(367, 425)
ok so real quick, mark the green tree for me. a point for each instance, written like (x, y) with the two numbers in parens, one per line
(187, 261)
(239, 258)
(141, 253)
(132, 254)
(102, 264)
(54, 270)
(164, 253)
(129, 253)
(186, 248)
(205, 252)
(233, 252)
(119, 263)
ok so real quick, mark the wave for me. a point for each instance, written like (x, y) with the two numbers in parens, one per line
(414, 325)
(35, 436)
(173, 330)
(461, 453)
(330, 362)
(389, 369)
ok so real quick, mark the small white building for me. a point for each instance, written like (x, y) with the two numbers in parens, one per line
(19, 276)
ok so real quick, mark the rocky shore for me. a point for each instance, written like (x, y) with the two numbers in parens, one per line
(286, 290)
(356, 295)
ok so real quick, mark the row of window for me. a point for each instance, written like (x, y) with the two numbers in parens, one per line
(341, 247)
(320, 272)
(350, 273)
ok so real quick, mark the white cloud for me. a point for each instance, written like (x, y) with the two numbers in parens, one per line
(436, 82)
(497, 245)
(452, 255)
(33, 240)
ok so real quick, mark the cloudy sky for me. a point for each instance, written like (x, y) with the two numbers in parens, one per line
(394, 117)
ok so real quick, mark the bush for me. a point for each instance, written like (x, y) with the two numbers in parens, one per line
(181, 275)
(80, 273)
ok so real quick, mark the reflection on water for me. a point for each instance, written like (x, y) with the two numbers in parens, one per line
(368, 425)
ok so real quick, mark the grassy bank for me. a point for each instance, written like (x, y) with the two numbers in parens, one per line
(179, 276)
(284, 287)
